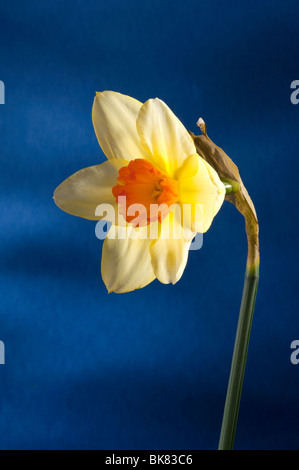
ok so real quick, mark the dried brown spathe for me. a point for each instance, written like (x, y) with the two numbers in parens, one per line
(228, 171)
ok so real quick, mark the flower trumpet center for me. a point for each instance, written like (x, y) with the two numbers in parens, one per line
(144, 184)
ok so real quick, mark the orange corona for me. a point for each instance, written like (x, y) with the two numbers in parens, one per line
(143, 183)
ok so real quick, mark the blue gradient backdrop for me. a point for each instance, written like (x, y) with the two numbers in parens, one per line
(149, 369)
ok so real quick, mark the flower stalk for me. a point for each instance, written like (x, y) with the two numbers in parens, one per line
(235, 383)
(237, 194)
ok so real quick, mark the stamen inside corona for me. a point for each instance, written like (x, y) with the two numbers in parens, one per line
(143, 183)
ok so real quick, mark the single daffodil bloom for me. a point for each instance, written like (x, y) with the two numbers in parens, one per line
(151, 162)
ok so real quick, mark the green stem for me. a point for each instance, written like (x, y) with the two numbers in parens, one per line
(231, 186)
(233, 395)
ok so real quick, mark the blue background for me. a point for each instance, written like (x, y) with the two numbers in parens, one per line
(149, 369)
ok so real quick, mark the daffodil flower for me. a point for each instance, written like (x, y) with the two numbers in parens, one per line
(151, 161)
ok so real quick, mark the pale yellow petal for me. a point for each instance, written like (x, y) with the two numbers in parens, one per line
(163, 136)
(114, 118)
(126, 264)
(81, 193)
(199, 184)
(169, 253)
